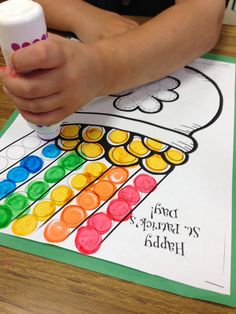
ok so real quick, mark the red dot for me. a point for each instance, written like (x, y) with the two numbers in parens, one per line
(130, 194)
(35, 41)
(87, 240)
(44, 37)
(101, 222)
(145, 183)
(119, 209)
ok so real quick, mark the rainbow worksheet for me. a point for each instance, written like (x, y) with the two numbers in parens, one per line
(137, 185)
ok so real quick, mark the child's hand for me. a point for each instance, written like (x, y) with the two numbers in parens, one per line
(51, 79)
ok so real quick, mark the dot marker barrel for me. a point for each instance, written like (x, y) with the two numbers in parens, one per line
(22, 23)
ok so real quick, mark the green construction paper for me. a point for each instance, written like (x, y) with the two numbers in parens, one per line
(125, 273)
(8, 123)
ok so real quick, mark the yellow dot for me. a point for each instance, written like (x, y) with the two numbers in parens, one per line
(70, 131)
(25, 225)
(79, 181)
(95, 169)
(68, 145)
(118, 137)
(154, 145)
(93, 133)
(137, 148)
(43, 210)
(91, 150)
(156, 164)
(61, 195)
(120, 156)
(175, 156)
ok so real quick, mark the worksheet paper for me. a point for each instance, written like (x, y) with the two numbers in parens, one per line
(172, 142)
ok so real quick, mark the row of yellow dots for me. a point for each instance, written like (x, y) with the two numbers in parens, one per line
(118, 154)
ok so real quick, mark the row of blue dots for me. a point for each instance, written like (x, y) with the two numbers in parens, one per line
(29, 165)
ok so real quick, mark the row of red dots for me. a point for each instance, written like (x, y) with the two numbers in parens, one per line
(88, 239)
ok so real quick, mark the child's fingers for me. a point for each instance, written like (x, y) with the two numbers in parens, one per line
(37, 84)
(44, 54)
(46, 118)
(37, 105)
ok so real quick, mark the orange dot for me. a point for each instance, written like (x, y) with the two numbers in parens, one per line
(104, 189)
(90, 187)
(73, 215)
(88, 200)
(118, 175)
(56, 231)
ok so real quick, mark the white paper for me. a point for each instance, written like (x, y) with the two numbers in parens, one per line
(182, 230)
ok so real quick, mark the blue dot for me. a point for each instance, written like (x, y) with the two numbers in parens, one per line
(32, 163)
(6, 187)
(18, 174)
(51, 151)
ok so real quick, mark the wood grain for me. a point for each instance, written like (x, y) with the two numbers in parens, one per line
(30, 284)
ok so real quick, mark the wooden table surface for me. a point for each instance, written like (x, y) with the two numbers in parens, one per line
(30, 284)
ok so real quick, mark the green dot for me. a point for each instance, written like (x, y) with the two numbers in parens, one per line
(5, 216)
(37, 190)
(17, 202)
(71, 161)
(54, 174)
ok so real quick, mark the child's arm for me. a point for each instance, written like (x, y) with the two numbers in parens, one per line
(88, 22)
(162, 45)
(74, 73)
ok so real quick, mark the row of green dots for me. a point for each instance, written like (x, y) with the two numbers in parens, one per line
(18, 202)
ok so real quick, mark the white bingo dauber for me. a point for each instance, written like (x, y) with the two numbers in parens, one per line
(22, 23)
